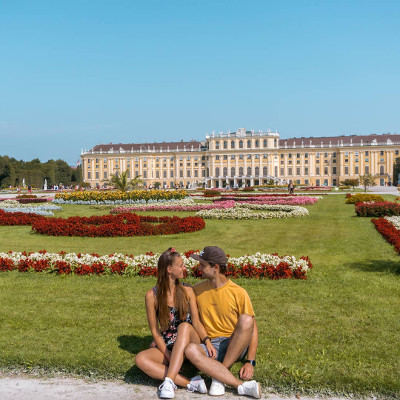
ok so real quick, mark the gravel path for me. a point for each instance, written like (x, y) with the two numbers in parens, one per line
(20, 387)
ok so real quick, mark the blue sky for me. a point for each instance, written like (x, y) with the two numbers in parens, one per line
(74, 74)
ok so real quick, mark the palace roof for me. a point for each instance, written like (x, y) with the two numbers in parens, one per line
(333, 141)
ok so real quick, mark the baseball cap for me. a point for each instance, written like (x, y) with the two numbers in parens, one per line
(212, 255)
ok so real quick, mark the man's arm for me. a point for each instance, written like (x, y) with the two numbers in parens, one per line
(247, 371)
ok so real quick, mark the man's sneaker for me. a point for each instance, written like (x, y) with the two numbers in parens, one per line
(217, 388)
(197, 384)
(250, 388)
(167, 389)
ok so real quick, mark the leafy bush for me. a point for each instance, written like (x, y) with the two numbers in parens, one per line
(363, 198)
(248, 189)
(26, 196)
(379, 209)
(344, 187)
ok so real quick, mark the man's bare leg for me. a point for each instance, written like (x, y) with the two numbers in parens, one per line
(197, 356)
(240, 340)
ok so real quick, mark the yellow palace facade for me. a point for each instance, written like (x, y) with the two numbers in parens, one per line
(246, 158)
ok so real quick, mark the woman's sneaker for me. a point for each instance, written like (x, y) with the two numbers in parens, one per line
(217, 388)
(167, 389)
(197, 384)
(250, 388)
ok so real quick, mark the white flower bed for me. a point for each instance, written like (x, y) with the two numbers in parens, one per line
(13, 206)
(395, 221)
(134, 263)
(244, 211)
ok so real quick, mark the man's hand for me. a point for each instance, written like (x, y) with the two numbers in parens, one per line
(212, 352)
(246, 372)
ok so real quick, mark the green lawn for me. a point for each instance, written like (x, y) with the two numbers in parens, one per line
(339, 331)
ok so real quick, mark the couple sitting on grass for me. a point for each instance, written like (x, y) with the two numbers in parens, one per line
(212, 325)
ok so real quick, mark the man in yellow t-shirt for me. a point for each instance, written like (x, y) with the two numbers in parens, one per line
(227, 314)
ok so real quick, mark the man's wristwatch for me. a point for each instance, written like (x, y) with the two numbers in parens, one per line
(252, 362)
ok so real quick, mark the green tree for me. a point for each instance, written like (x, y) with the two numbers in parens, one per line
(367, 180)
(350, 182)
(122, 182)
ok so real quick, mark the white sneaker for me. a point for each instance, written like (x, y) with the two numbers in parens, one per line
(217, 388)
(167, 389)
(197, 384)
(250, 388)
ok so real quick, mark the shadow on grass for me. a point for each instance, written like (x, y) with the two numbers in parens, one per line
(389, 266)
(134, 344)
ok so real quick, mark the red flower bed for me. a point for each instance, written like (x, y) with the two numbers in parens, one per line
(388, 231)
(281, 271)
(127, 224)
(378, 209)
(19, 218)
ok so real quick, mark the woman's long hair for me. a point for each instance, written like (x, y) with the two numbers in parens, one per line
(181, 300)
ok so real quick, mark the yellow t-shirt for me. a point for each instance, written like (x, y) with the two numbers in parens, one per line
(220, 308)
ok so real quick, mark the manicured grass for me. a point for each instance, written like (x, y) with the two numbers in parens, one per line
(336, 332)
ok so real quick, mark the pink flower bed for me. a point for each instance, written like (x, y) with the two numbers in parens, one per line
(160, 207)
(289, 201)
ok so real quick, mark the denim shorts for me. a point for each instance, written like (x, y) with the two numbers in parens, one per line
(221, 345)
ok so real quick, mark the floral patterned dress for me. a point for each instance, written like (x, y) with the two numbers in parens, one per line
(169, 336)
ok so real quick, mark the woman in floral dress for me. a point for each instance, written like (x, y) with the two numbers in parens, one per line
(174, 322)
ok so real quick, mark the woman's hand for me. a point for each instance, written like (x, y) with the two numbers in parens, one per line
(212, 352)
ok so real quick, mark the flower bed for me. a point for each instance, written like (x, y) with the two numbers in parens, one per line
(258, 265)
(117, 196)
(389, 231)
(244, 211)
(13, 206)
(362, 198)
(127, 224)
(293, 201)
(378, 209)
(18, 218)
(187, 206)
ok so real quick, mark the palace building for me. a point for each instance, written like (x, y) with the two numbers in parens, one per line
(246, 158)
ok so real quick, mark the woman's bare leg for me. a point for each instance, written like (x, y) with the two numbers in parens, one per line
(153, 363)
(186, 334)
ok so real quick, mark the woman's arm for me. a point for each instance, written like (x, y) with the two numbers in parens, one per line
(152, 320)
(197, 325)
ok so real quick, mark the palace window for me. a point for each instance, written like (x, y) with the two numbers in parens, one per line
(232, 157)
(298, 171)
(249, 144)
(225, 156)
(217, 171)
(240, 171)
(305, 170)
(257, 143)
(217, 144)
(265, 144)
(225, 144)
(240, 144)
(217, 157)
(367, 169)
(233, 171)
(265, 171)
(232, 144)
(346, 170)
